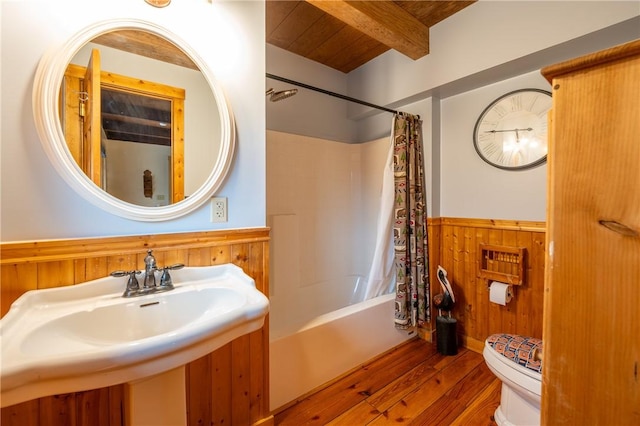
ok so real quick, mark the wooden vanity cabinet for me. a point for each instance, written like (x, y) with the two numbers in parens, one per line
(591, 332)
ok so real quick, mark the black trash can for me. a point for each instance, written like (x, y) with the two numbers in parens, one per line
(446, 335)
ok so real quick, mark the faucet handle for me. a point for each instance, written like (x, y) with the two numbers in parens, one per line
(132, 284)
(175, 267)
(165, 279)
(166, 282)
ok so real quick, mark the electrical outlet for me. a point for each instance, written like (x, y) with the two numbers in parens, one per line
(219, 209)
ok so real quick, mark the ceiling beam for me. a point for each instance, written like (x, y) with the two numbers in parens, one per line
(384, 21)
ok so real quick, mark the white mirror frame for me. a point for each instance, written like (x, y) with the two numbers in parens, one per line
(46, 110)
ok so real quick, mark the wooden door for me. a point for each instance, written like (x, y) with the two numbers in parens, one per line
(591, 373)
(91, 119)
(85, 144)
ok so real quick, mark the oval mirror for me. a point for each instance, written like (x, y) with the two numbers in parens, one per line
(132, 118)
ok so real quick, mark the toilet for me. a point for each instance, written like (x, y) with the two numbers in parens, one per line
(513, 359)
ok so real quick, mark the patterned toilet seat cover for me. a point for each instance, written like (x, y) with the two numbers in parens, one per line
(519, 349)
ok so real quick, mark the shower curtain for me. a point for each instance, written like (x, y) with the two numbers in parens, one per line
(381, 276)
(410, 226)
(401, 253)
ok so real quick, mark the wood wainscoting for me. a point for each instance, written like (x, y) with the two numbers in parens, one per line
(455, 243)
(228, 386)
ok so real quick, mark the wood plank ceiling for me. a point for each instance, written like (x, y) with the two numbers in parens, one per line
(347, 34)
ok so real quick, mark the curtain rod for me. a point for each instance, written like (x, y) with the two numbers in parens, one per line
(336, 95)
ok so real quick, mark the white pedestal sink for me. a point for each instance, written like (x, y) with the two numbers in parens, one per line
(88, 336)
(157, 400)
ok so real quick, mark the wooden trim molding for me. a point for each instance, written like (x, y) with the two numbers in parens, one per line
(617, 53)
(472, 344)
(434, 221)
(511, 225)
(56, 250)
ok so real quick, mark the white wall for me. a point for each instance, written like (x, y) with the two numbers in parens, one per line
(124, 172)
(36, 202)
(308, 113)
(469, 187)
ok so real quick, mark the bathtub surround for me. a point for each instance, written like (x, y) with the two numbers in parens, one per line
(228, 386)
(322, 205)
(312, 227)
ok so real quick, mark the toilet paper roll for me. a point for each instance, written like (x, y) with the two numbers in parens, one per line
(500, 293)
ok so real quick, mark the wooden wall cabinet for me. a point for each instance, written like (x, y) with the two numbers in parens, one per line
(591, 330)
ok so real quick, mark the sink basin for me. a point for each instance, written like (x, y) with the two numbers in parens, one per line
(87, 336)
(118, 323)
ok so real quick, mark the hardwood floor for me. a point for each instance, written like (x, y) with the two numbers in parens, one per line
(413, 385)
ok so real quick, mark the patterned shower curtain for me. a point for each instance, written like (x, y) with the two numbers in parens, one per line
(410, 226)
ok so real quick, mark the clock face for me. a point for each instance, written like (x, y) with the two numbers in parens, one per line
(511, 132)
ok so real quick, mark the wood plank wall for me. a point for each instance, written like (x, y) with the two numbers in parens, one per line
(229, 386)
(458, 241)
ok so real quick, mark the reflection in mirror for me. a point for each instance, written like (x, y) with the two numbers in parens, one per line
(151, 115)
(138, 131)
(206, 128)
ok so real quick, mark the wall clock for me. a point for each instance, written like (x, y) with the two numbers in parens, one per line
(511, 133)
(158, 3)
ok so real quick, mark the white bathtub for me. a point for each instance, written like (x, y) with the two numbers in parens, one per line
(305, 356)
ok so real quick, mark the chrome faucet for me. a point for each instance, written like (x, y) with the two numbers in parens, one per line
(149, 284)
(149, 270)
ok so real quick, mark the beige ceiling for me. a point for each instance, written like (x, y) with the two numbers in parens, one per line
(346, 34)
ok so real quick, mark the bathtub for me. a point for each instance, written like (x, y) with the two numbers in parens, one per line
(304, 354)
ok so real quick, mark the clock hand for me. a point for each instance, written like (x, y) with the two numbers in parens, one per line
(528, 129)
